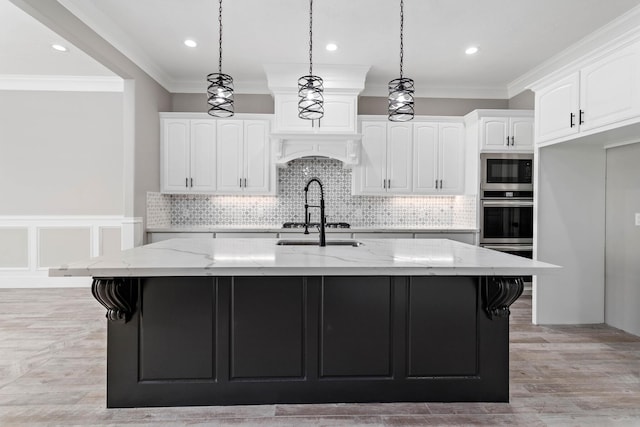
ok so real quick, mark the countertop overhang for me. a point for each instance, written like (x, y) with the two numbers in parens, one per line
(263, 257)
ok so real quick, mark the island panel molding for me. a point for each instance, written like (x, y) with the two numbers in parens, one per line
(411, 339)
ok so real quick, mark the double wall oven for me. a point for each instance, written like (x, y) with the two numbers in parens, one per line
(506, 203)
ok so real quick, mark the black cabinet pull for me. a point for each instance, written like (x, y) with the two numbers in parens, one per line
(571, 117)
(240, 182)
(507, 141)
(441, 184)
(581, 120)
(513, 140)
(192, 182)
(245, 183)
(186, 182)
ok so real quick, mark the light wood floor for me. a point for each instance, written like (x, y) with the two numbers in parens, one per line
(52, 372)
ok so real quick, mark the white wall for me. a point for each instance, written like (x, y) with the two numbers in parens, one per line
(569, 231)
(622, 250)
(61, 153)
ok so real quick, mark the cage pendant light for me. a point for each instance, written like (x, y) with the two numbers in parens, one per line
(310, 88)
(220, 90)
(401, 89)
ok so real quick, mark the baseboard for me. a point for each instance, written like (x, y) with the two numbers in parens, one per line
(44, 282)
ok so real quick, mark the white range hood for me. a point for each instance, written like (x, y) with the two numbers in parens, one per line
(336, 134)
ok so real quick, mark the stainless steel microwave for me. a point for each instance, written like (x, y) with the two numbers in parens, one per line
(506, 172)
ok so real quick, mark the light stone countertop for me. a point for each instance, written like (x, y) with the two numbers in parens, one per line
(262, 257)
(253, 229)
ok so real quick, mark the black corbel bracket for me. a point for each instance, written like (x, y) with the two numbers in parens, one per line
(500, 293)
(117, 295)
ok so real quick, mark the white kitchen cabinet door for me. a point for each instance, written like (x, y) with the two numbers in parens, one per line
(557, 106)
(399, 158)
(256, 157)
(495, 133)
(521, 131)
(339, 114)
(229, 156)
(372, 173)
(425, 158)
(451, 158)
(203, 156)
(610, 89)
(175, 155)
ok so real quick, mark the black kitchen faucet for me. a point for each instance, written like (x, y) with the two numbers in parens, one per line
(323, 241)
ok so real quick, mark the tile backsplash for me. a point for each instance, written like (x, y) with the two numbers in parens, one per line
(177, 210)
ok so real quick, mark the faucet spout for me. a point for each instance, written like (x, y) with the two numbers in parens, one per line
(323, 241)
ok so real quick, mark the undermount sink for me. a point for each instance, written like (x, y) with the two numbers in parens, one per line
(353, 243)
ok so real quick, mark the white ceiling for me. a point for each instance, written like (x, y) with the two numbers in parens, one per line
(514, 37)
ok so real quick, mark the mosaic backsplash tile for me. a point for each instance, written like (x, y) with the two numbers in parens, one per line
(288, 205)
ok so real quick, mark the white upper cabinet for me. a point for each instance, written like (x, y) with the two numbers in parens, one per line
(506, 133)
(386, 164)
(339, 114)
(200, 154)
(597, 97)
(243, 157)
(187, 156)
(438, 158)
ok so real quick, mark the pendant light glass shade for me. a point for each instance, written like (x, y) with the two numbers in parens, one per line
(401, 99)
(401, 89)
(220, 90)
(310, 88)
(310, 105)
(220, 95)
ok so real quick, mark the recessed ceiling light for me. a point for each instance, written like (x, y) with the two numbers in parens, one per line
(59, 47)
(331, 47)
(190, 43)
(471, 50)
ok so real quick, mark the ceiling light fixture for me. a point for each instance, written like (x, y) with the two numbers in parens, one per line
(190, 43)
(220, 90)
(59, 47)
(310, 104)
(471, 50)
(401, 89)
(332, 47)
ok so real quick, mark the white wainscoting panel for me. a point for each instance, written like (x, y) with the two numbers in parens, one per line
(31, 244)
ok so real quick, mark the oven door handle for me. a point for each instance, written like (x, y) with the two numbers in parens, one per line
(509, 248)
(499, 203)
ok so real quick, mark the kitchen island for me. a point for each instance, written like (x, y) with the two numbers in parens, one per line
(249, 321)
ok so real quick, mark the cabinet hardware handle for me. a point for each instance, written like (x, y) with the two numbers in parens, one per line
(581, 120)
(191, 182)
(571, 117)
(186, 182)
(389, 184)
(384, 184)
(507, 141)
(245, 183)
(240, 182)
(441, 184)
(513, 140)
(436, 184)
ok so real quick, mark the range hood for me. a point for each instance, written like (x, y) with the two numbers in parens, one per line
(336, 134)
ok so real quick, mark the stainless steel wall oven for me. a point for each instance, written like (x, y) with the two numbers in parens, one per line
(506, 203)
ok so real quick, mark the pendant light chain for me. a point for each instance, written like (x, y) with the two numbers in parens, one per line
(401, 90)
(310, 87)
(220, 89)
(401, 34)
(310, 37)
(220, 38)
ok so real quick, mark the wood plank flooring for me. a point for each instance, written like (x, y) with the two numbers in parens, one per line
(52, 372)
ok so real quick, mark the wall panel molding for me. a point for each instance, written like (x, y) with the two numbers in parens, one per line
(34, 275)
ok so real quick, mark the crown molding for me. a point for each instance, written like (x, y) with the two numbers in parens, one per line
(62, 83)
(200, 86)
(619, 31)
(495, 92)
(112, 33)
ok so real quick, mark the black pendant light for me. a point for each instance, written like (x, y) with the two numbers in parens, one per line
(310, 104)
(401, 89)
(220, 90)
